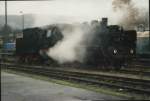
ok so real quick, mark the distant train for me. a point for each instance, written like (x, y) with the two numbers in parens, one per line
(111, 46)
(9, 47)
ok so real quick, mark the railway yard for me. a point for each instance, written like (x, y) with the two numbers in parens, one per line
(129, 83)
(75, 50)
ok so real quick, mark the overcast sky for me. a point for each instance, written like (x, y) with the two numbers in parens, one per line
(58, 10)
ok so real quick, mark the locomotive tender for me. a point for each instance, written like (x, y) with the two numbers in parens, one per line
(35, 43)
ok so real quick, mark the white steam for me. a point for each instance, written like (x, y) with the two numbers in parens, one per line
(70, 48)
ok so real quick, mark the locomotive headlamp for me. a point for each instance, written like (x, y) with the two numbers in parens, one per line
(115, 51)
(131, 51)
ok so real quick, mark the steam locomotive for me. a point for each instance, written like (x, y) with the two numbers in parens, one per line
(111, 46)
(35, 43)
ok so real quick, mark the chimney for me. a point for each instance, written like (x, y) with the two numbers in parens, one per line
(104, 21)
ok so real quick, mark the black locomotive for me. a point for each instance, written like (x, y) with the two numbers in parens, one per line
(111, 46)
(36, 42)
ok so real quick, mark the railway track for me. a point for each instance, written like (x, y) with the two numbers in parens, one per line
(139, 70)
(127, 84)
(141, 62)
(140, 65)
(136, 71)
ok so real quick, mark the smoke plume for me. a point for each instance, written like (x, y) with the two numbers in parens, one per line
(132, 15)
(71, 48)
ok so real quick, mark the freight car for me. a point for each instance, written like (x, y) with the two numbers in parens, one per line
(35, 43)
(111, 46)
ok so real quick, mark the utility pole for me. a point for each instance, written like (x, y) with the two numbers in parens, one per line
(6, 14)
(149, 35)
(5, 26)
(22, 20)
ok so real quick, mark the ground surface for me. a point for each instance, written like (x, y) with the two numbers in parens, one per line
(19, 88)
